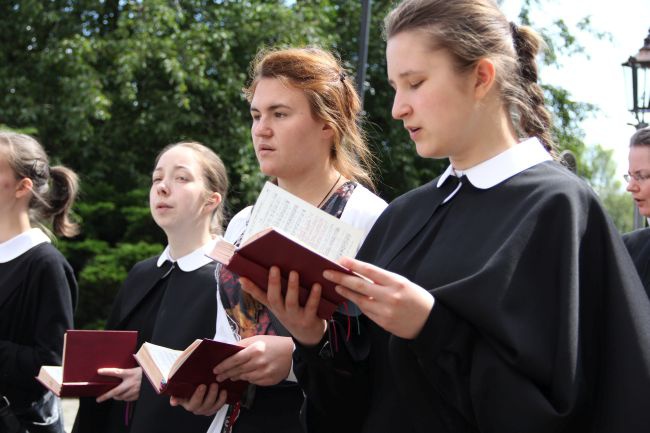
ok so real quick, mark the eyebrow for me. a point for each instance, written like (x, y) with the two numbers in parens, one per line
(271, 107)
(176, 167)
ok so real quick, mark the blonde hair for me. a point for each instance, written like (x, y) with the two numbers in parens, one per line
(214, 175)
(474, 29)
(332, 98)
(54, 189)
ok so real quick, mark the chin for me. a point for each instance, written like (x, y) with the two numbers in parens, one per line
(428, 151)
(268, 170)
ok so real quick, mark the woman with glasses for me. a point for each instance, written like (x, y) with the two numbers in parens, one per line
(638, 241)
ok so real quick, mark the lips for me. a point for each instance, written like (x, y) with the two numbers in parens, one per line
(413, 131)
(264, 150)
(163, 206)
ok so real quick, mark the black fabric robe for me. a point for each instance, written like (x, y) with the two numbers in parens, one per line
(540, 322)
(187, 312)
(38, 292)
(638, 245)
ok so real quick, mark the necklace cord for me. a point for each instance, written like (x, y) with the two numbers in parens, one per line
(328, 192)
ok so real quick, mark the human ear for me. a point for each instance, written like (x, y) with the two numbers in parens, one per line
(213, 200)
(484, 74)
(24, 187)
(327, 131)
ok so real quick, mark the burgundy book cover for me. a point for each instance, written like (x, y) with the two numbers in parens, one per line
(197, 370)
(252, 260)
(87, 350)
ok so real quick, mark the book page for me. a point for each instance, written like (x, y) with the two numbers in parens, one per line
(163, 357)
(54, 372)
(317, 229)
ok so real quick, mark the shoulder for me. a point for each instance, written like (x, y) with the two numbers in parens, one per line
(363, 208)
(550, 186)
(237, 224)
(48, 269)
(637, 238)
(411, 198)
(144, 267)
(47, 256)
(367, 198)
(46, 251)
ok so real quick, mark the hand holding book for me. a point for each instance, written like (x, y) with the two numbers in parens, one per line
(179, 373)
(303, 323)
(287, 232)
(273, 247)
(129, 387)
(84, 353)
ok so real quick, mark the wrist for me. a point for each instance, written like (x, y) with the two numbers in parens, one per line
(314, 337)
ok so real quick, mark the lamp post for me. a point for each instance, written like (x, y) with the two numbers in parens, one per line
(640, 71)
(364, 30)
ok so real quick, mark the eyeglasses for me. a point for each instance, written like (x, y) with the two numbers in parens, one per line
(639, 177)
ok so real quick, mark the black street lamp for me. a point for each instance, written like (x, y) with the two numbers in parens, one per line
(364, 30)
(640, 70)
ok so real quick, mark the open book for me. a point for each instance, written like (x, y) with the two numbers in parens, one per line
(85, 351)
(288, 232)
(179, 373)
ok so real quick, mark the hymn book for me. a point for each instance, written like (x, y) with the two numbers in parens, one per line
(85, 351)
(179, 373)
(287, 232)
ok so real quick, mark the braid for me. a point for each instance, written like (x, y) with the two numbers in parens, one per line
(535, 119)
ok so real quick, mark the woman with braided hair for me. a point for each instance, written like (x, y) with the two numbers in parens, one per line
(38, 289)
(499, 296)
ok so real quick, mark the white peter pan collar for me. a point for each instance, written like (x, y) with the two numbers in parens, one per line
(503, 166)
(22, 243)
(192, 261)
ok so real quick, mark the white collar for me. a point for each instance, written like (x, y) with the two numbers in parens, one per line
(22, 243)
(503, 166)
(192, 261)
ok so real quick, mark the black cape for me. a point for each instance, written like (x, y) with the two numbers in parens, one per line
(38, 292)
(187, 312)
(638, 245)
(540, 322)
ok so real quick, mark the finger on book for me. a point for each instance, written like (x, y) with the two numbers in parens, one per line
(293, 291)
(228, 365)
(351, 283)
(213, 400)
(274, 288)
(311, 306)
(373, 273)
(114, 372)
(251, 288)
(108, 395)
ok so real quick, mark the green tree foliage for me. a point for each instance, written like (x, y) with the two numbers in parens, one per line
(106, 84)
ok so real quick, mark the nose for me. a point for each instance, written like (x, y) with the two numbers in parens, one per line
(261, 128)
(632, 185)
(400, 108)
(161, 188)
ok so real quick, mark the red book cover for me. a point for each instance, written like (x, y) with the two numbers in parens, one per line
(271, 247)
(190, 368)
(85, 351)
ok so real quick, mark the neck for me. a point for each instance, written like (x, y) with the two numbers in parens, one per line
(496, 134)
(13, 224)
(314, 186)
(182, 243)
